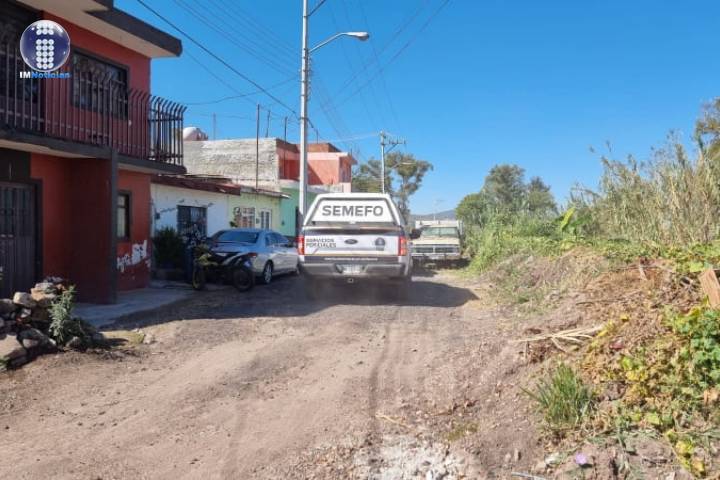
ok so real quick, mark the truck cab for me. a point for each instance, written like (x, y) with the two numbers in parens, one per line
(439, 242)
(354, 236)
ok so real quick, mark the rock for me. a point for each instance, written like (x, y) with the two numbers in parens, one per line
(18, 361)
(10, 349)
(2, 325)
(24, 300)
(30, 343)
(40, 315)
(148, 339)
(75, 343)
(7, 306)
(25, 313)
(552, 459)
(516, 455)
(43, 299)
(36, 335)
(44, 287)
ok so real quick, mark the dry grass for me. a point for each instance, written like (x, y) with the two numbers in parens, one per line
(671, 199)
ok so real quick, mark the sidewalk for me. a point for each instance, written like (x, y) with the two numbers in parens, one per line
(158, 295)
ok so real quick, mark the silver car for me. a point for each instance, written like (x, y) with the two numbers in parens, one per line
(274, 253)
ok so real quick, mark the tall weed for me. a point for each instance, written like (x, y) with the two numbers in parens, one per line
(670, 199)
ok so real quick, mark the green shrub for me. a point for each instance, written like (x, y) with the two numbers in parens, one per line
(563, 399)
(501, 238)
(168, 248)
(63, 326)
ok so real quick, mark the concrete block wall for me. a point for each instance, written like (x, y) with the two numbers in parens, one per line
(235, 159)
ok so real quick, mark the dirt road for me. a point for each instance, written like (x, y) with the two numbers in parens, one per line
(272, 385)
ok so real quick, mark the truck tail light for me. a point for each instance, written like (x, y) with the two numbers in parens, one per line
(301, 245)
(402, 246)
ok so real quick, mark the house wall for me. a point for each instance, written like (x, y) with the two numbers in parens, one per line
(76, 196)
(56, 228)
(259, 202)
(137, 64)
(165, 200)
(134, 255)
(287, 209)
(236, 160)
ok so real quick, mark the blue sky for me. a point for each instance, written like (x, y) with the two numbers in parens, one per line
(478, 83)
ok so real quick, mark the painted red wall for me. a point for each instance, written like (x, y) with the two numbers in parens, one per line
(134, 255)
(76, 244)
(54, 172)
(138, 65)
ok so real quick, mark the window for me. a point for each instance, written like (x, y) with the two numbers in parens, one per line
(245, 217)
(192, 224)
(236, 236)
(99, 86)
(265, 219)
(281, 240)
(123, 215)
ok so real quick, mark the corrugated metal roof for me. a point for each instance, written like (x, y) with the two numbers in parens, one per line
(210, 184)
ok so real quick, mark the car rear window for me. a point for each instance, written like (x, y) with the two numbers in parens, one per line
(353, 211)
(237, 236)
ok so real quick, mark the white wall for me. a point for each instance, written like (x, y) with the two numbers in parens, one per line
(165, 200)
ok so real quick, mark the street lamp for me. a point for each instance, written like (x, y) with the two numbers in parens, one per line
(304, 81)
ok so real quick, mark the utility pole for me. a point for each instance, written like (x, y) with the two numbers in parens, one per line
(285, 130)
(267, 126)
(257, 146)
(214, 126)
(302, 203)
(304, 81)
(392, 143)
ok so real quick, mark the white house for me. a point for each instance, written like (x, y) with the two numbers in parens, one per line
(211, 204)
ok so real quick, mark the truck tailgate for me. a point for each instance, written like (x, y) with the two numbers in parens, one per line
(361, 242)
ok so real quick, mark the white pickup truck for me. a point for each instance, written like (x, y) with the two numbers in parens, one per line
(354, 236)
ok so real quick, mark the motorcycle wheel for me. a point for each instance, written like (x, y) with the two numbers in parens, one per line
(243, 278)
(199, 279)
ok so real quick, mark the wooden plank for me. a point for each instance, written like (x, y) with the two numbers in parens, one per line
(711, 287)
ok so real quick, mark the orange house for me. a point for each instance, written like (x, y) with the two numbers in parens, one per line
(77, 154)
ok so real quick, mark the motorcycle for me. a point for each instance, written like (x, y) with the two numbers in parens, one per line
(234, 268)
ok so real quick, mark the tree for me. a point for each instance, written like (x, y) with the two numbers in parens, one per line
(504, 196)
(540, 200)
(473, 209)
(403, 177)
(366, 178)
(707, 131)
(505, 187)
(410, 172)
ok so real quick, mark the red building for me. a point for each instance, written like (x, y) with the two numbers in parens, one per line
(77, 154)
(327, 165)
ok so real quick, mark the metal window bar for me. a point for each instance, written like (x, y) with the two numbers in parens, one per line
(91, 107)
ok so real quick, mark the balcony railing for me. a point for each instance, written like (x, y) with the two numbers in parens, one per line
(89, 107)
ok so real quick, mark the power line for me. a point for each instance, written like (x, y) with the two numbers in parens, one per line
(398, 53)
(219, 59)
(225, 32)
(377, 61)
(248, 94)
(387, 44)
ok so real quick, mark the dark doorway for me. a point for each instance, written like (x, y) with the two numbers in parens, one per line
(17, 237)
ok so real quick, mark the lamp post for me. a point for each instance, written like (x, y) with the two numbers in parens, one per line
(304, 83)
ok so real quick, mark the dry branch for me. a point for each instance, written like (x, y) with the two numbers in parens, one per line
(575, 336)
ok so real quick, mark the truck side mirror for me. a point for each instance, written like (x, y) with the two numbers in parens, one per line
(414, 233)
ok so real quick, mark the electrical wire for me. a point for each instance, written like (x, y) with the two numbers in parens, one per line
(397, 54)
(219, 59)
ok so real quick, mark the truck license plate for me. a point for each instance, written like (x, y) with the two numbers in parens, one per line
(351, 269)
